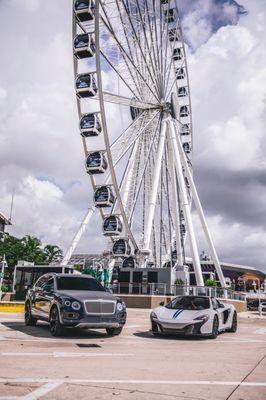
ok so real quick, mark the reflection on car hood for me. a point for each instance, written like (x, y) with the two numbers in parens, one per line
(86, 295)
(176, 315)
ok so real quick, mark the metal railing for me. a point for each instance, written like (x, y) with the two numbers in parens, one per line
(139, 288)
(219, 292)
(162, 289)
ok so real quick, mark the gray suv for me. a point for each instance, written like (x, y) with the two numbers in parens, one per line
(66, 300)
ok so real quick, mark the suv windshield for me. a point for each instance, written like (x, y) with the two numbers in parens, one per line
(78, 283)
(189, 303)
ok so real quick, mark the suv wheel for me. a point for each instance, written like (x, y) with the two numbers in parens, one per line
(56, 328)
(29, 319)
(113, 331)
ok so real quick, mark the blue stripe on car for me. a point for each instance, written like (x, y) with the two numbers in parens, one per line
(177, 313)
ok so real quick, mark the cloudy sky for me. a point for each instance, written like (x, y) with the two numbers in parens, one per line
(41, 156)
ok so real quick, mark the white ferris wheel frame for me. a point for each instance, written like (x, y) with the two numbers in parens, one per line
(179, 166)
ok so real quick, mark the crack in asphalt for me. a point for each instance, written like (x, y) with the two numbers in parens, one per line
(139, 391)
(245, 377)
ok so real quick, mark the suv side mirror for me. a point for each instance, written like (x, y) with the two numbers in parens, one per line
(221, 305)
(47, 288)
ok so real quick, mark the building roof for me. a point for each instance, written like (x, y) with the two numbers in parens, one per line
(3, 218)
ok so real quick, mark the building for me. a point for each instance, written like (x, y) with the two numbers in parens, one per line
(3, 222)
(238, 277)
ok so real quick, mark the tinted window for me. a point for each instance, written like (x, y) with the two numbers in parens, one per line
(78, 283)
(49, 285)
(41, 281)
(189, 303)
(215, 304)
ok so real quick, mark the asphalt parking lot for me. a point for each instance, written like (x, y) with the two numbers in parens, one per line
(134, 365)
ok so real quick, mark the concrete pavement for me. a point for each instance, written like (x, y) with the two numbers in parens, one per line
(134, 365)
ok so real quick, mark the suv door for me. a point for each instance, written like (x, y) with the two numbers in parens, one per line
(47, 295)
(40, 295)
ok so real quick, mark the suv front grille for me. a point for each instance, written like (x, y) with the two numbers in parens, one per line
(99, 307)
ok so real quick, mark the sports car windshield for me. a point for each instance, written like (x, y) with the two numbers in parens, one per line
(189, 303)
(71, 283)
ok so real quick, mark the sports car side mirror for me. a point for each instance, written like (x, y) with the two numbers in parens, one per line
(161, 303)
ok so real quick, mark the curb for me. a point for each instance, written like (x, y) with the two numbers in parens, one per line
(13, 307)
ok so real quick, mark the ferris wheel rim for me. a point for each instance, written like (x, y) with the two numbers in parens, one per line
(162, 109)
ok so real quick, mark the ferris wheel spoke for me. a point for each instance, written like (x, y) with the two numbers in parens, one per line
(125, 52)
(171, 62)
(133, 140)
(138, 42)
(175, 80)
(120, 75)
(127, 101)
(149, 47)
(139, 184)
(128, 43)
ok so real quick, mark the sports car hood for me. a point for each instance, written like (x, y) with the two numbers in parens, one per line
(166, 314)
(86, 295)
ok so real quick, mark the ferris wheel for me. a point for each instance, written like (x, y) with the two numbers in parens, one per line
(135, 122)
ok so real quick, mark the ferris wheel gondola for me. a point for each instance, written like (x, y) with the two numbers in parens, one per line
(130, 56)
(90, 125)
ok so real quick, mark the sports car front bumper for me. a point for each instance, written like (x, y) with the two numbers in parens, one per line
(179, 328)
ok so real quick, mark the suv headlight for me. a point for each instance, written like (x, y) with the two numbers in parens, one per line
(120, 306)
(76, 305)
(203, 318)
(153, 315)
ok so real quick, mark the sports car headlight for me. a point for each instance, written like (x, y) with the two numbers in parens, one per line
(76, 305)
(120, 306)
(153, 315)
(67, 303)
(203, 318)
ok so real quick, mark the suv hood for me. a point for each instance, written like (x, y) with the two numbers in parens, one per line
(86, 295)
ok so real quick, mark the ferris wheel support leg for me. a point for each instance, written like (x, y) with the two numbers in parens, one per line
(201, 215)
(155, 186)
(180, 260)
(130, 175)
(186, 207)
(78, 235)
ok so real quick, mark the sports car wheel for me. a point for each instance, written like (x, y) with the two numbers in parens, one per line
(56, 328)
(234, 323)
(154, 329)
(113, 331)
(29, 319)
(215, 328)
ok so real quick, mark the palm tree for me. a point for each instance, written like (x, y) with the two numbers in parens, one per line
(52, 253)
(32, 249)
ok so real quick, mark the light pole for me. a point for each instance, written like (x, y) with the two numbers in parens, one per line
(3, 265)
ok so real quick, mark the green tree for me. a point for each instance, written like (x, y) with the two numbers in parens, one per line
(28, 248)
(32, 250)
(12, 248)
(210, 282)
(52, 253)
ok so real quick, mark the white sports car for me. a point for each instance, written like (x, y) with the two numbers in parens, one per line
(194, 315)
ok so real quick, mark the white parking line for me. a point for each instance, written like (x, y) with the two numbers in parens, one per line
(260, 331)
(37, 393)
(58, 354)
(132, 381)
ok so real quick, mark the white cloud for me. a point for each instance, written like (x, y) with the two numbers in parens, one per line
(41, 155)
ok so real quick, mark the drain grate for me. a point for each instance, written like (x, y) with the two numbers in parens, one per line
(87, 345)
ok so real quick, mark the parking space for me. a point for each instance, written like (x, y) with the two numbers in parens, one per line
(134, 365)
